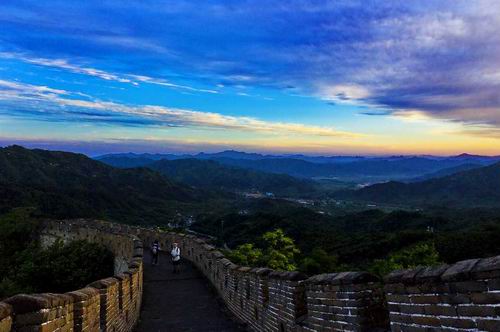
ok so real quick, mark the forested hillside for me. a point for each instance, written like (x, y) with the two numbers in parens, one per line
(460, 219)
(478, 187)
(67, 185)
(210, 174)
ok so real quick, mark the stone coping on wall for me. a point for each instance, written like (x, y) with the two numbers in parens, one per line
(270, 300)
(471, 269)
(5, 310)
(267, 300)
(343, 278)
(464, 296)
(358, 301)
(83, 309)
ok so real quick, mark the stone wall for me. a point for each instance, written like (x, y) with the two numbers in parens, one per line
(462, 297)
(111, 304)
(5, 317)
(268, 300)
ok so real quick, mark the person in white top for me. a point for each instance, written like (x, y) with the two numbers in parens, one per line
(176, 257)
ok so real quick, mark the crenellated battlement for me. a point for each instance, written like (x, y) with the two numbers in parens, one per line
(463, 296)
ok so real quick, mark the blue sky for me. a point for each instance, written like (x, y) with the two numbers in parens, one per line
(318, 77)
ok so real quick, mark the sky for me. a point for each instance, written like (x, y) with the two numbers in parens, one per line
(314, 77)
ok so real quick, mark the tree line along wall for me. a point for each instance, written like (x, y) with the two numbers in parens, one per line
(109, 305)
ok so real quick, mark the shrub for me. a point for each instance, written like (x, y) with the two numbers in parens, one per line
(422, 254)
(25, 267)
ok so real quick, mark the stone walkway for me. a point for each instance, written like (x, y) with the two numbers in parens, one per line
(180, 302)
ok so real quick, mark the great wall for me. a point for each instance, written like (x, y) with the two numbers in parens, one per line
(461, 297)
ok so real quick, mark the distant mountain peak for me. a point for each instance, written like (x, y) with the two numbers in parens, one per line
(474, 156)
(467, 155)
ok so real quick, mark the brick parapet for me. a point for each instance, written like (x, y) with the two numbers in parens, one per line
(267, 300)
(464, 296)
(111, 304)
(5, 317)
(459, 297)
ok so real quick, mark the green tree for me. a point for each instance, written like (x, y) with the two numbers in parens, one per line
(319, 261)
(422, 254)
(279, 251)
(17, 231)
(62, 267)
(246, 254)
(25, 267)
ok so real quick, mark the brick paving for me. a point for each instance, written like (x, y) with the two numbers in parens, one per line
(182, 302)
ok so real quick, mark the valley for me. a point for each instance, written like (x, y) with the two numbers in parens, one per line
(235, 205)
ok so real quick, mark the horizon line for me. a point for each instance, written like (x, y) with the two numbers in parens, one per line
(77, 148)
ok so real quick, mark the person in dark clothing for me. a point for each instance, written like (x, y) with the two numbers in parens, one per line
(155, 252)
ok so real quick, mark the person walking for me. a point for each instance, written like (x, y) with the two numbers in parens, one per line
(176, 257)
(155, 252)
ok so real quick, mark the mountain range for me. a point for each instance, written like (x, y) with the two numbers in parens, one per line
(459, 181)
(232, 154)
(214, 175)
(445, 172)
(210, 174)
(63, 184)
(477, 187)
(346, 168)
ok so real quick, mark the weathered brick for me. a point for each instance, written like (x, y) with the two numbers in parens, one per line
(5, 310)
(485, 298)
(412, 309)
(488, 324)
(468, 286)
(426, 320)
(458, 299)
(493, 284)
(440, 310)
(461, 323)
(426, 299)
(476, 311)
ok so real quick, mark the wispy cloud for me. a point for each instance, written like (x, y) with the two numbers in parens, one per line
(484, 131)
(59, 105)
(64, 64)
(437, 59)
(162, 82)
